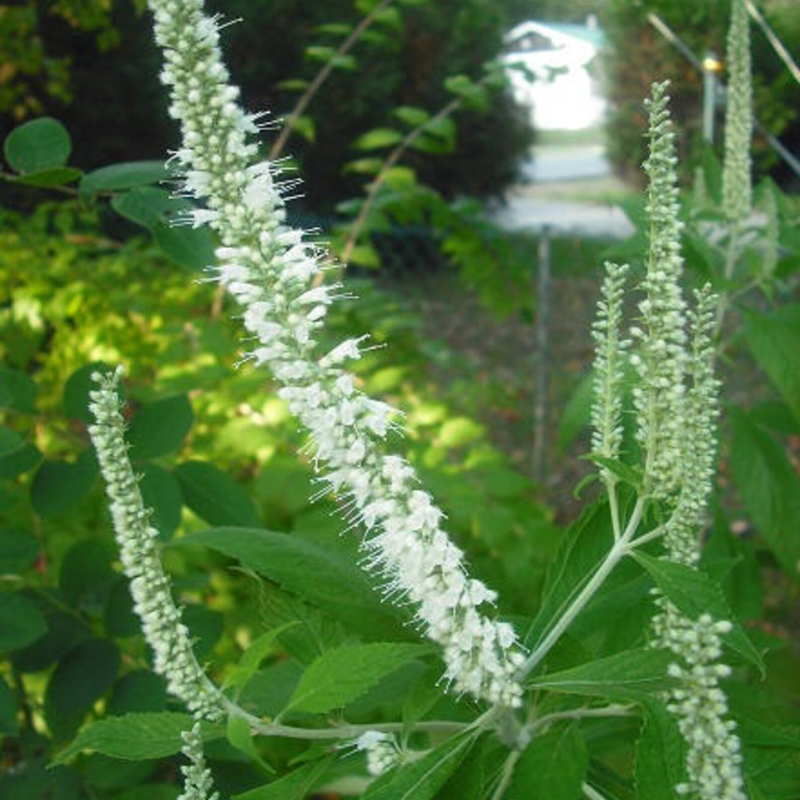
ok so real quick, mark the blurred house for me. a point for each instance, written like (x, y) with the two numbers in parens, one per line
(552, 68)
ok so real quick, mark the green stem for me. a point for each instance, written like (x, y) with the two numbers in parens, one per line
(507, 774)
(618, 551)
(583, 713)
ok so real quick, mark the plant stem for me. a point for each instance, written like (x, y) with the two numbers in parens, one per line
(391, 160)
(583, 713)
(321, 77)
(507, 774)
(618, 551)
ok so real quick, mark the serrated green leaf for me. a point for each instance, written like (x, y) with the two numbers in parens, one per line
(422, 779)
(473, 94)
(82, 677)
(623, 675)
(58, 486)
(160, 427)
(21, 622)
(138, 736)
(37, 145)
(695, 593)
(378, 138)
(659, 754)
(553, 765)
(340, 676)
(214, 496)
(319, 575)
(630, 475)
(125, 175)
(769, 487)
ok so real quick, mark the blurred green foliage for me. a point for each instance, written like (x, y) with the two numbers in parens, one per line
(637, 54)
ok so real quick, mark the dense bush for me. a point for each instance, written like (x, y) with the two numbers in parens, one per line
(404, 61)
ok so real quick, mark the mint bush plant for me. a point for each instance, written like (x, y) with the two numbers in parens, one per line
(618, 687)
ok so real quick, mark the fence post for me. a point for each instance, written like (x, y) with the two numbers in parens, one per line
(542, 357)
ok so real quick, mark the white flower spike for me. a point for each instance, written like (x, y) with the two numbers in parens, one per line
(269, 269)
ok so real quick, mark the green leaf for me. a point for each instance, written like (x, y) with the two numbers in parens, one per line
(577, 412)
(340, 676)
(774, 340)
(458, 432)
(474, 95)
(365, 255)
(161, 492)
(305, 127)
(319, 575)
(151, 791)
(239, 735)
(214, 496)
(37, 145)
(8, 710)
(76, 391)
(144, 205)
(137, 737)
(125, 175)
(553, 766)
(769, 487)
(160, 427)
(626, 473)
(21, 622)
(623, 675)
(18, 550)
(205, 626)
(248, 665)
(413, 116)
(16, 455)
(363, 166)
(659, 754)
(50, 177)
(86, 573)
(377, 138)
(59, 486)
(294, 786)
(422, 779)
(118, 615)
(137, 692)
(81, 678)
(192, 248)
(695, 593)
(17, 391)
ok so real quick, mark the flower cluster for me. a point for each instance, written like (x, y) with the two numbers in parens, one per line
(713, 761)
(660, 354)
(138, 545)
(197, 778)
(381, 751)
(609, 366)
(271, 271)
(736, 180)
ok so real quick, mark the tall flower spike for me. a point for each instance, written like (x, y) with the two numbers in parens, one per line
(609, 366)
(736, 180)
(270, 269)
(660, 356)
(137, 540)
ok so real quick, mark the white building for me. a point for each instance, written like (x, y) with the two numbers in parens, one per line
(549, 68)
